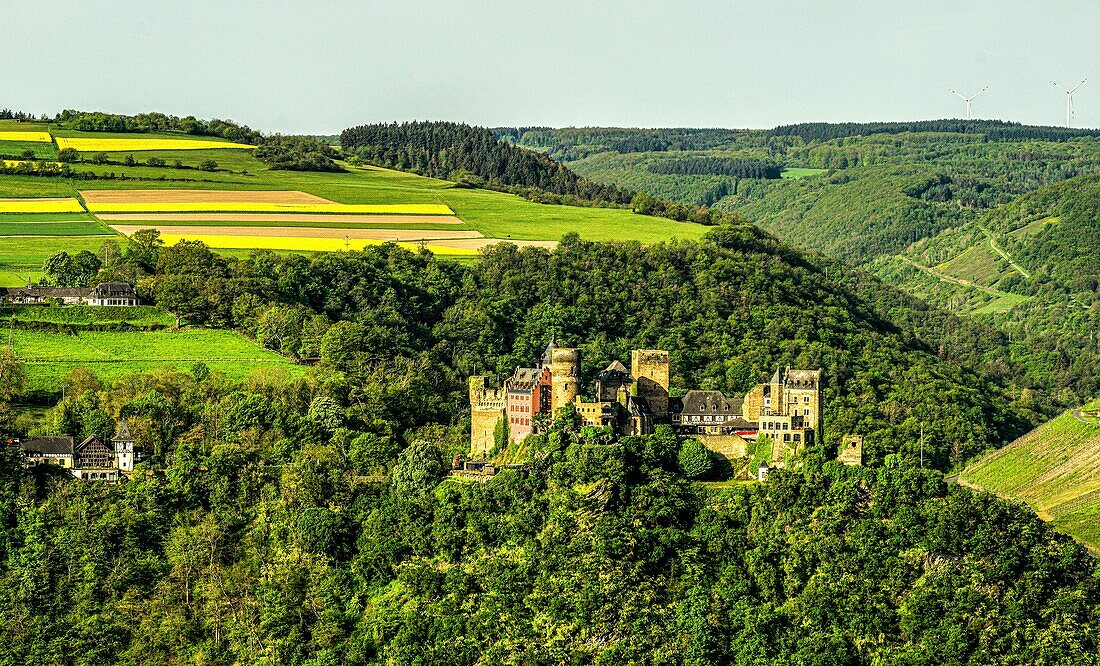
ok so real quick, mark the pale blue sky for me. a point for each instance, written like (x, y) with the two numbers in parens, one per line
(324, 65)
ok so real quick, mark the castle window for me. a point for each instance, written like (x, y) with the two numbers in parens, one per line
(797, 437)
(787, 437)
(806, 399)
(806, 412)
(786, 426)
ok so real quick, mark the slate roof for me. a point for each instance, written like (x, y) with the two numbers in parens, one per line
(114, 290)
(48, 445)
(708, 402)
(523, 380)
(546, 354)
(123, 432)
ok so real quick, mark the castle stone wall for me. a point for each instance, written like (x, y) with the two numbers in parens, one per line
(650, 369)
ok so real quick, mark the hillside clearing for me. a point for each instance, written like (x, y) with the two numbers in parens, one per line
(1055, 469)
(49, 356)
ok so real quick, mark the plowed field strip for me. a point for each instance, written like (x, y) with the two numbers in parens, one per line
(303, 232)
(201, 196)
(278, 217)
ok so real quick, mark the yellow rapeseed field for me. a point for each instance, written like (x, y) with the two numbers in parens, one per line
(85, 145)
(300, 244)
(14, 163)
(38, 137)
(40, 206)
(262, 207)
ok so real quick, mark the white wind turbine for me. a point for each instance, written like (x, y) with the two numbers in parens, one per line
(968, 100)
(1069, 100)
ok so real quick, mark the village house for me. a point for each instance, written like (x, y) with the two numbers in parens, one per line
(91, 459)
(105, 294)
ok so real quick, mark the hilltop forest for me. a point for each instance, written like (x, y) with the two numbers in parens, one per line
(303, 520)
(302, 514)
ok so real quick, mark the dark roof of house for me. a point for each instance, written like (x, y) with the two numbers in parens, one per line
(702, 402)
(638, 405)
(90, 440)
(122, 434)
(43, 292)
(523, 380)
(615, 372)
(114, 290)
(48, 445)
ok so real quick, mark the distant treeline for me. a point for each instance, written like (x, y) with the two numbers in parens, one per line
(722, 166)
(8, 114)
(992, 130)
(469, 155)
(575, 143)
(96, 121)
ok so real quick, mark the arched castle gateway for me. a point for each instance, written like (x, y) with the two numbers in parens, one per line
(787, 409)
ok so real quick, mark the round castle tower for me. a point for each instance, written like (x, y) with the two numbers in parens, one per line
(565, 371)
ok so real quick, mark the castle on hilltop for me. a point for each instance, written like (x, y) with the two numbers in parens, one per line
(787, 409)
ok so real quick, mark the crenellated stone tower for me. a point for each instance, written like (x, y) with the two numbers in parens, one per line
(565, 371)
(487, 408)
(649, 368)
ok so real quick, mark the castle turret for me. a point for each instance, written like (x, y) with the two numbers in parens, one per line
(649, 368)
(565, 371)
(486, 411)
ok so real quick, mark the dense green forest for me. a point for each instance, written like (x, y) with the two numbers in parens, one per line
(458, 152)
(1051, 235)
(992, 130)
(94, 121)
(260, 545)
(876, 195)
(306, 519)
(725, 166)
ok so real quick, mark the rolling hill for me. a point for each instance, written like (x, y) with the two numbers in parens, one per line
(1055, 469)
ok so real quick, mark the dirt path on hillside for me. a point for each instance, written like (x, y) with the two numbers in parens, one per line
(949, 278)
(1004, 255)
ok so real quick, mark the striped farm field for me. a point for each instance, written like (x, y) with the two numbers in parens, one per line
(299, 244)
(43, 205)
(302, 232)
(135, 144)
(242, 201)
(35, 137)
(260, 207)
(173, 196)
(276, 219)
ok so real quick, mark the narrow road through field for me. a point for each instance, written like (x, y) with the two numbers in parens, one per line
(1004, 255)
(1077, 414)
(949, 278)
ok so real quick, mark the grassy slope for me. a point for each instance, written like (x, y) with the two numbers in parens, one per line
(48, 356)
(1055, 469)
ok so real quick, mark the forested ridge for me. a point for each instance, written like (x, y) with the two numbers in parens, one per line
(1051, 234)
(992, 130)
(305, 520)
(456, 151)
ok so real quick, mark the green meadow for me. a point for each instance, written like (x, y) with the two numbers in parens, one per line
(49, 356)
(1055, 469)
